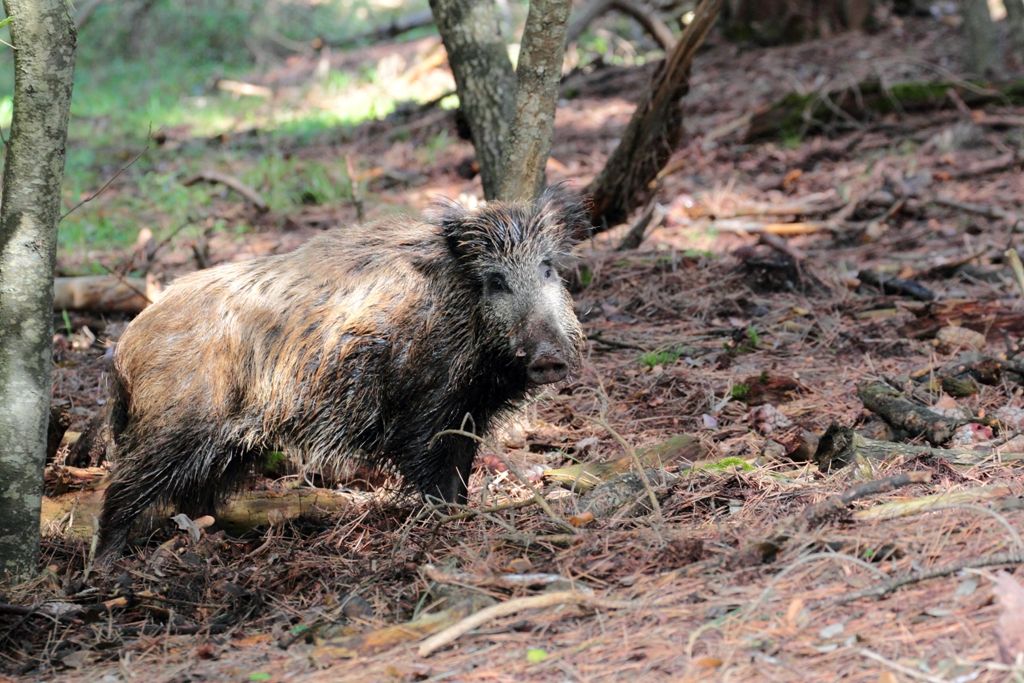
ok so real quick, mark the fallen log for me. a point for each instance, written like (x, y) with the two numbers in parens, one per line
(74, 514)
(680, 449)
(901, 413)
(840, 446)
(103, 293)
(800, 114)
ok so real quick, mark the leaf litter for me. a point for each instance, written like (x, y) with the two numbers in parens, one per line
(738, 560)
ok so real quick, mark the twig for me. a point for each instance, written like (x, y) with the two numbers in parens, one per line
(813, 204)
(599, 338)
(652, 24)
(477, 619)
(209, 176)
(504, 580)
(993, 212)
(914, 506)
(1018, 268)
(820, 512)
(1001, 163)
(107, 184)
(750, 227)
(890, 585)
(472, 512)
(896, 666)
(123, 279)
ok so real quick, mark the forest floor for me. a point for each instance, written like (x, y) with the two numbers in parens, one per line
(745, 322)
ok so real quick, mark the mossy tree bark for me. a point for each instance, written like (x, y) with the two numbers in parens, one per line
(43, 37)
(654, 131)
(537, 76)
(478, 55)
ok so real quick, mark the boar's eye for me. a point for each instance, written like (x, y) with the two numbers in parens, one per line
(547, 271)
(496, 283)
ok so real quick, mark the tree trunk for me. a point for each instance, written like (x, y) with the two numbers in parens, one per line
(654, 130)
(982, 37)
(43, 36)
(537, 76)
(477, 53)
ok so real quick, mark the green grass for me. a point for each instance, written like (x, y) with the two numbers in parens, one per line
(740, 391)
(652, 359)
(157, 73)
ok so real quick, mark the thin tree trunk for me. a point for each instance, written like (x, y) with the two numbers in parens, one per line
(982, 37)
(43, 36)
(478, 55)
(653, 132)
(537, 77)
(1015, 23)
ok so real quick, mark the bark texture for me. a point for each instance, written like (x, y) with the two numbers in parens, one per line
(537, 77)
(982, 37)
(43, 35)
(478, 55)
(653, 132)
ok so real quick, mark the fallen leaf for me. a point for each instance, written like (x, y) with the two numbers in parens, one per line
(582, 520)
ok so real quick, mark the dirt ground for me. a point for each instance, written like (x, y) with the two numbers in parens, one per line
(753, 345)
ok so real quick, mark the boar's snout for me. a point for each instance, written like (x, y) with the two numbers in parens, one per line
(547, 364)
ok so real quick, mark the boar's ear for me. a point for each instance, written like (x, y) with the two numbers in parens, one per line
(452, 218)
(569, 210)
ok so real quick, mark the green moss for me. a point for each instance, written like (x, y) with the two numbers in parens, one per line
(729, 463)
(740, 391)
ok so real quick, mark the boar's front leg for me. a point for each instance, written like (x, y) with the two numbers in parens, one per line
(443, 469)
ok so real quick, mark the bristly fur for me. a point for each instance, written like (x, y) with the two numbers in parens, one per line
(365, 342)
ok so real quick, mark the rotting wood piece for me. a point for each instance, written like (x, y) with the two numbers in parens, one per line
(896, 286)
(682, 449)
(992, 318)
(901, 413)
(240, 513)
(799, 114)
(102, 293)
(840, 446)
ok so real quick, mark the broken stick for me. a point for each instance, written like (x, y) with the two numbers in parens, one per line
(556, 599)
(890, 405)
(251, 195)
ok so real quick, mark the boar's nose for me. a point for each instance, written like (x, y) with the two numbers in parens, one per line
(547, 368)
